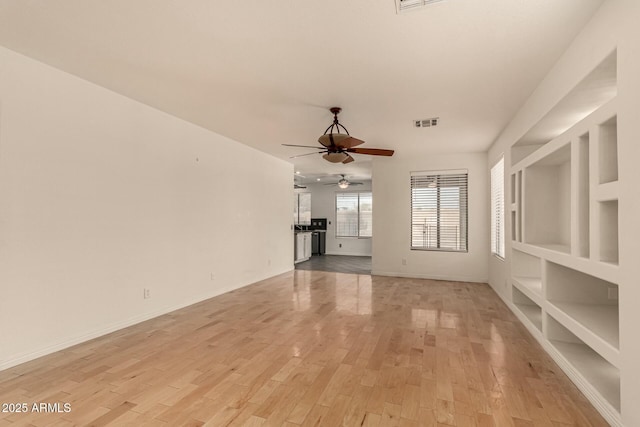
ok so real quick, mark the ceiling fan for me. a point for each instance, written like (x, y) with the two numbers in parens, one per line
(296, 184)
(344, 182)
(337, 146)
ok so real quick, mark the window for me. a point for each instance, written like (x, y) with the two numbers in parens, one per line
(439, 211)
(354, 215)
(497, 208)
(302, 209)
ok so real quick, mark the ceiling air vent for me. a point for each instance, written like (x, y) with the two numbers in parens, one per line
(427, 123)
(409, 5)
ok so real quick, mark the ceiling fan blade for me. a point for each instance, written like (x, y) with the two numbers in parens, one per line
(304, 146)
(339, 140)
(333, 139)
(371, 151)
(307, 154)
(349, 159)
(355, 183)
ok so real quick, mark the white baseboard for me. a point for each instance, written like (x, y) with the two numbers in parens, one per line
(78, 339)
(429, 276)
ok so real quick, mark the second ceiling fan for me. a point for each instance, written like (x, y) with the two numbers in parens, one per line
(337, 146)
(344, 182)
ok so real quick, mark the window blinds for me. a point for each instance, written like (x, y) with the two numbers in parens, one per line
(497, 208)
(354, 214)
(439, 219)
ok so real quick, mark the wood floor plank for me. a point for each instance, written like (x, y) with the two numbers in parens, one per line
(311, 348)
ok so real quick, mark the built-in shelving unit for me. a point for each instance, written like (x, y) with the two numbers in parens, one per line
(598, 372)
(564, 236)
(547, 201)
(527, 274)
(528, 308)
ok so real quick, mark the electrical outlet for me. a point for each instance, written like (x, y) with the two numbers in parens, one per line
(612, 292)
(147, 293)
(404, 261)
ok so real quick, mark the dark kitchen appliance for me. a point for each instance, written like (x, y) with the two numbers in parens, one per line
(318, 224)
(318, 228)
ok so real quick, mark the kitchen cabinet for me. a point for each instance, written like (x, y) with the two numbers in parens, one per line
(302, 246)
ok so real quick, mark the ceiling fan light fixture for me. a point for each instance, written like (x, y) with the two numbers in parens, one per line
(343, 183)
(335, 157)
(337, 135)
(329, 139)
(337, 144)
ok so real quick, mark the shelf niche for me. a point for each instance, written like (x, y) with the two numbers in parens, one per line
(590, 301)
(527, 271)
(518, 198)
(582, 187)
(608, 151)
(547, 216)
(602, 375)
(528, 307)
(591, 93)
(609, 231)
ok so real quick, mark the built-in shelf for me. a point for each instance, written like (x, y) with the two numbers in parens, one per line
(608, 151)
(516, 206)
(589, 304)
(530, 284)
(593, 91)
(602, 270)
(599, 321)
(528, 308)
(564, 199)
(601, 375)
(527, 271)
(547, 196)
(556, 247)
(606, 192)
(609, 231)
(581, 196)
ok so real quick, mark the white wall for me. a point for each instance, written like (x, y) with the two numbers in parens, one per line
(392, 218)
(615, 25)
(323, 205)
(101, 196)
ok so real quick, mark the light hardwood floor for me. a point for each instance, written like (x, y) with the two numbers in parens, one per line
(314, 349)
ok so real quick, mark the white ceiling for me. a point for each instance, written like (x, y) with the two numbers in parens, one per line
(266, 72)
